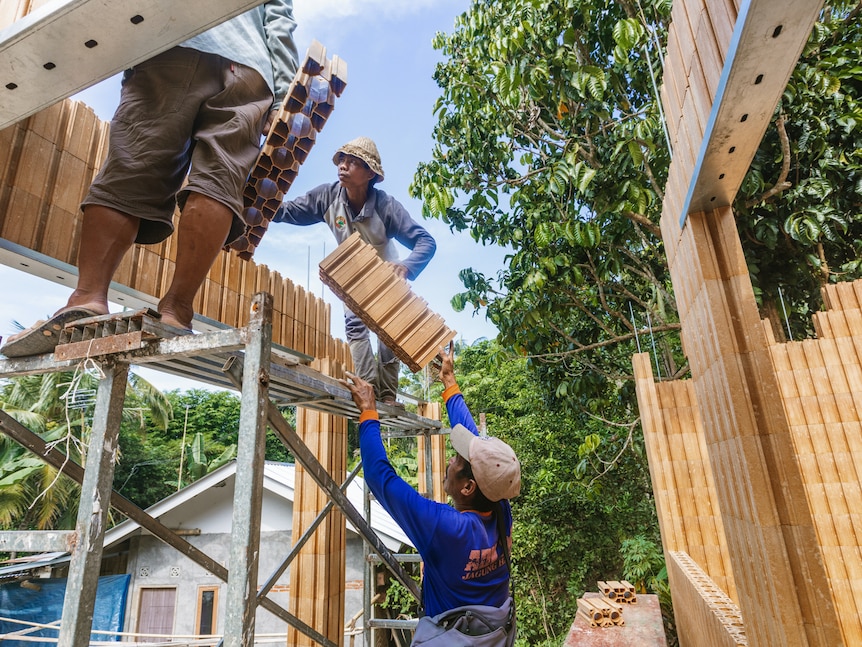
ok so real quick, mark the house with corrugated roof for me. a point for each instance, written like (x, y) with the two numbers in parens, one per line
(170, 595)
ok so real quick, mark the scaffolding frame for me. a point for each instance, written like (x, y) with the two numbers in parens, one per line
(250, 363)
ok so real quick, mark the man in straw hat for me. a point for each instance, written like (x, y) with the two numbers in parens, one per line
(353, 204)
(464, 546)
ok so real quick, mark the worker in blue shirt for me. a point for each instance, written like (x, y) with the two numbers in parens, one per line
(462, 545)
(354, 204)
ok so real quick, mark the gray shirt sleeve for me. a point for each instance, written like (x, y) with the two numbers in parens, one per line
(401, 226)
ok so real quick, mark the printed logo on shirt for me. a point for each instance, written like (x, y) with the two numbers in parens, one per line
(482, 562)
(340, 222)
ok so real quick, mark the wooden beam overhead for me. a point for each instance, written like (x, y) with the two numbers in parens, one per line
(767, 41)
(67, 46)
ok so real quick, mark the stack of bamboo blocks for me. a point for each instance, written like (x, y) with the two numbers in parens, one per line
(307, 106)
(384, 302)
(618, 591)
(606, 609)
(600, 612)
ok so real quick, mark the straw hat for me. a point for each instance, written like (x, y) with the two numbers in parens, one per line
(365, 149)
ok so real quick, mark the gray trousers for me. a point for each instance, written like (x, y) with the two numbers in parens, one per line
(381, 371)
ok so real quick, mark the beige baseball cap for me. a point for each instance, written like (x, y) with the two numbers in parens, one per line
(495, 467)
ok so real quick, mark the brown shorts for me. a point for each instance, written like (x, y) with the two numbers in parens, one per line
(181, 111)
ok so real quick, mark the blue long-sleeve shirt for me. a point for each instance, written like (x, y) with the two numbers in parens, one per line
(381, 219)
(463, 560)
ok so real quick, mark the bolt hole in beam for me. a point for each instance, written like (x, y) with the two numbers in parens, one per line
(767, 35)
(50, 37)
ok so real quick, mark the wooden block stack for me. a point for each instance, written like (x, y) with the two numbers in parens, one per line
(599, 611)
(303, 113)
(618, 592)
(385, 302)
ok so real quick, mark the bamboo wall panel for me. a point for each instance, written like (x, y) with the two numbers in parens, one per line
(821, 388)
(704, 614)
(385, 302)
(779, 422)
(769, 529)
(699, 37)
(47, 162)
(317, 573)
(685, 494)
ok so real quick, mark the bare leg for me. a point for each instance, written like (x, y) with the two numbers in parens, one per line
(202, 232)
(106, 236)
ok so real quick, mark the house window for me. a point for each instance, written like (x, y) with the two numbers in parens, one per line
(156, 613)
(207, 605)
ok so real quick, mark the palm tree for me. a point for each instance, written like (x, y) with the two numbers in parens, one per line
(57, 407)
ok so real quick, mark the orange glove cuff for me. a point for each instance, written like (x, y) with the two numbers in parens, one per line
(371, 414)
(452, 390)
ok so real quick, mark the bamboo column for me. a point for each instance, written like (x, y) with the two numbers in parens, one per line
(317, 574)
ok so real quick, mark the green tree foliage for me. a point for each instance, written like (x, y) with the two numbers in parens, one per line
(799, 213)
(59, 408)
(549, 141)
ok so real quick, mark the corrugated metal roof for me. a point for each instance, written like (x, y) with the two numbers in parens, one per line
(279, 479)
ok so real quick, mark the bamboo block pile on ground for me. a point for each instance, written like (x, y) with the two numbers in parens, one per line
(618, 591)
(600, 612)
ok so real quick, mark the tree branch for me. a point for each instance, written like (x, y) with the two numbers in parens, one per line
(782, 184)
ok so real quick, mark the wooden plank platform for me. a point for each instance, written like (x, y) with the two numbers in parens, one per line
(66, 46)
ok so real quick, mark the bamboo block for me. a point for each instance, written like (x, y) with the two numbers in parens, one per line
(304, 110)
(148, 276)
(710, 60)
(50, 122)
(211, 299)
(722, 17)
(12, 10)
(8, 154)
(699, 98)
(33, 163)
(846, 296)
(684, 34)
(299, 318)
(71, 183)
(371, 289)
(82, 128)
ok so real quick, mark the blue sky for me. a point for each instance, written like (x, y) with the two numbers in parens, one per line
(389, 97)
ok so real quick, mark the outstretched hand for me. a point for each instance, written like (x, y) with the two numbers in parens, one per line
(362, 392)
(447, 365)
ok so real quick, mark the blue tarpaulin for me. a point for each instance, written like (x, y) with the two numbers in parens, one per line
(41, 602)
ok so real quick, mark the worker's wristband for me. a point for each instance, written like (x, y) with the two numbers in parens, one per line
(450, 391)
(370, 414)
